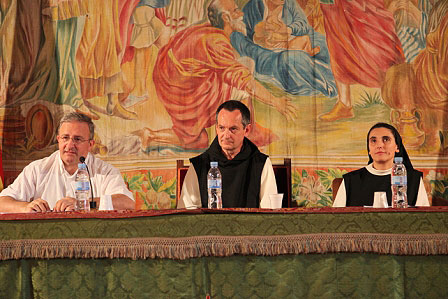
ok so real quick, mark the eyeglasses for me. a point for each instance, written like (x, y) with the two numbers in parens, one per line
(76, 140)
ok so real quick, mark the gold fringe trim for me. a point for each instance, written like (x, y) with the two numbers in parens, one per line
(221, 246)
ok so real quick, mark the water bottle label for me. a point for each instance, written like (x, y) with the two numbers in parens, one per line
(399, 180)
(214, 184)
(82, 186)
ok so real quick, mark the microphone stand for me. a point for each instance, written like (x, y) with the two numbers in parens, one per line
(92, 202)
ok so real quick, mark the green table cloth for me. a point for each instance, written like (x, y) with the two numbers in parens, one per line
(232, 253)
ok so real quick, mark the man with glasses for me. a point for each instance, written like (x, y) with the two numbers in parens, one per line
(48, 184)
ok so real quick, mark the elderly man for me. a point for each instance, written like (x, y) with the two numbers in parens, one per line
(48, 184)
(247, 174)
(196, 72)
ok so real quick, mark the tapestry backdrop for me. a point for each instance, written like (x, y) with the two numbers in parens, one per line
(316, 76)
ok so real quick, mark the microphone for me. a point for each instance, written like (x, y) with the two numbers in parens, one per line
(92, 203)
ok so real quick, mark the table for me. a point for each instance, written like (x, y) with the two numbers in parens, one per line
(247, 253)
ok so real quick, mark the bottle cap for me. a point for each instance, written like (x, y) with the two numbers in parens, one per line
(398, 159)
(214, 164)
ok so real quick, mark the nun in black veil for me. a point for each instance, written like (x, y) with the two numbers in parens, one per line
(384, 143)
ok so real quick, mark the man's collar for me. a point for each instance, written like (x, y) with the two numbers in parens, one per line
(62, 166)
(247, 150)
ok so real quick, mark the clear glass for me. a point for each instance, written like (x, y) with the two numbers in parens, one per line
(275, 200)
(82, 202)
(380, 200)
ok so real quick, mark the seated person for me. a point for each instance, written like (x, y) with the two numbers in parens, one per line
(48, 184)
(247, 174)
(358, 187)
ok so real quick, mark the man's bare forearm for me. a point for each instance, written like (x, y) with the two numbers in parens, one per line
(257, 90)
(122, 202)
(10, 205)
(281, 104)
(119, 202)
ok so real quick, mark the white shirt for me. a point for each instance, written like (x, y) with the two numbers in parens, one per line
(341, 196)
(190, 196)
(47, 179)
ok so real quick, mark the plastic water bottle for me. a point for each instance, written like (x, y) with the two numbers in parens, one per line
(214, 186)
(399, 184)
(82, 191)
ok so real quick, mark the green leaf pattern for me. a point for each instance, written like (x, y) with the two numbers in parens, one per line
(438, 183)
(152, 190)
(313, 188)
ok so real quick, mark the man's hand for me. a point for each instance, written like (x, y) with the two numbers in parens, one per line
(282, 104)
(65, 204)
(38, 205)
(285, 107)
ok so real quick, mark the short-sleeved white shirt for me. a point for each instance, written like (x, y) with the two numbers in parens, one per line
(47, 179)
